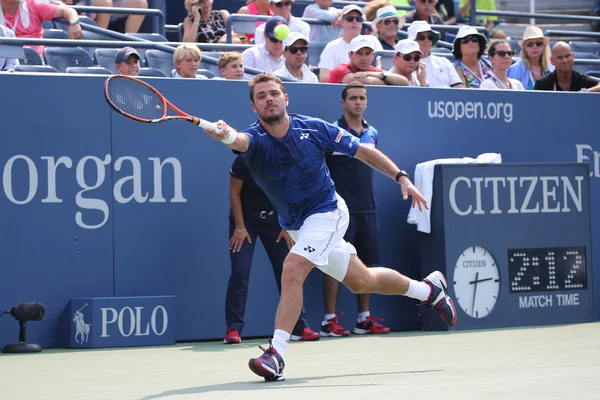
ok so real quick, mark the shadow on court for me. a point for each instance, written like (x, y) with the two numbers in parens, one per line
(287, 384)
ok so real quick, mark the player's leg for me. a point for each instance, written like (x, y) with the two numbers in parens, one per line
(366, 242)
(237, 287)
(277, 252)
(315, 239)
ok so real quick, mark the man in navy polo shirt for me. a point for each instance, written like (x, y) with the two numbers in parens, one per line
(286, 156)
(354, 182)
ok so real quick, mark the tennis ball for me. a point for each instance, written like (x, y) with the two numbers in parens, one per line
(281, 31)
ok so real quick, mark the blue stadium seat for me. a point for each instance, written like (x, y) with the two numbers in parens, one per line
(87, 20)
(440, 50)
(63, 57)
(31, 57)
(595, 74)
(160, 60)
(153, 37)
(93, 36)
(35, 68)
(211, 67)
(387, 61)
(449, 37)
(585, 47)
(314, 53)
(55, 34)
(206, 73)
(152, 72)
(48, 24)
(180, 31)
(88, 70)
(514, 44)
(586, 55)
(106, 58)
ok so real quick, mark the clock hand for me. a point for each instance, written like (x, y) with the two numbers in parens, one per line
(481, 280)
(475, 290)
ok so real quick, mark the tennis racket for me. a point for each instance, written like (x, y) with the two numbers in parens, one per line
(141, 102)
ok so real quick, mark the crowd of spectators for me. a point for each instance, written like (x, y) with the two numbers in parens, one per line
(351, 49)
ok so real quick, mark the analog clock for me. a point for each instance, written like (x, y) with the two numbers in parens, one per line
(476, 281)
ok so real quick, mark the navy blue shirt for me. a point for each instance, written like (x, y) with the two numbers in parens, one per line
(292, 169)
(252, 196)
(353, 178)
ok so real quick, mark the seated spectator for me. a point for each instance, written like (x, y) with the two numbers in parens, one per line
(336, 52)
(256, 7)
(295, 51)
(26, 18)
(7, 64)
(407, 63)
(564, 79)
(268, 56)
(424, 11)
(445, 9)
(187, 59)
(406, 3)
(500, 54)
(482, 20)
(535, 58)
(203, 24)
(231, 65)
(440, 72)
(321, 9)
(283, 8)
(359, 68)
(386, 26)
(127, 61)
(468, 48)
(120, 22)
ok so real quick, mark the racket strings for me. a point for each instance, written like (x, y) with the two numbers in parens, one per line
(136, 99)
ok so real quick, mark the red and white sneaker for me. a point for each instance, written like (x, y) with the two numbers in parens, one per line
(438, 300)
(232, 337)
(333, 328)
(270, 365)
(371, 326)
(308, 335)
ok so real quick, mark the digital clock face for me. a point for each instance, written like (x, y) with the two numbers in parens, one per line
(547, 269)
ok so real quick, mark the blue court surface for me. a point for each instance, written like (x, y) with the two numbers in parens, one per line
(553, 362)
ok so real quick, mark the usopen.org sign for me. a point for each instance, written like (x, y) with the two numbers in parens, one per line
(118, 321)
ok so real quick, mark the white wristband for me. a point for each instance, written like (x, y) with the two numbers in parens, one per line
(230, 137)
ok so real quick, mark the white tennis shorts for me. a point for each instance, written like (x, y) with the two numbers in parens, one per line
(320, 240)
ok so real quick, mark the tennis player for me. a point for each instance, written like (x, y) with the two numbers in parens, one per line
(286, 156)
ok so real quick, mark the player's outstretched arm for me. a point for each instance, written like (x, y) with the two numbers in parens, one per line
(230, 137)
(380, 162)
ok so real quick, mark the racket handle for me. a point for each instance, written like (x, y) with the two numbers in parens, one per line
(207, 125)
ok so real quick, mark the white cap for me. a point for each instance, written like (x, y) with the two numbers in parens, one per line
(292, 37)
(361, 41)
(422, 26)
(407, 46)
(351, 7)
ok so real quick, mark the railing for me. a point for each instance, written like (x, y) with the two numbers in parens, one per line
(340, 3)
(556, 32)
(540, 16)
(134, 11)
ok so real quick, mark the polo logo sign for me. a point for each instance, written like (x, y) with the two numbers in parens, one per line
(82, 330)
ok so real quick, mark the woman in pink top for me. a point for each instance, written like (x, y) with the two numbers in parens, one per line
(256, 7)
(26, 17)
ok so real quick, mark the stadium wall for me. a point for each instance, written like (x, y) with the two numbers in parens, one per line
(93, 204)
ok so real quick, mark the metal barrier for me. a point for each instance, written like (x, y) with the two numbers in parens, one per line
(134, 11)
(540, 16)
(555, 32)
(340, 3)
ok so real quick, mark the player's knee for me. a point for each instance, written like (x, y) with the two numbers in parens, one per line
(294, 271)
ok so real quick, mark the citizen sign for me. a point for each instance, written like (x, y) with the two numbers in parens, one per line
(134, 321)
(516, 194)
(90, 173)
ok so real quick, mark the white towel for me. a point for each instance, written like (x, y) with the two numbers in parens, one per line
(423, 180)
(23, 15)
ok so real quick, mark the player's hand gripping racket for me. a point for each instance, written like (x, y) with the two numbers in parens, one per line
(141, 102)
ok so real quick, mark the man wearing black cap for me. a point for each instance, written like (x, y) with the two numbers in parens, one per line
(127, 61)
(268, 56)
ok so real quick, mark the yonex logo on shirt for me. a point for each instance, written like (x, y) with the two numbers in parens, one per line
(304, 136)
(309, 249)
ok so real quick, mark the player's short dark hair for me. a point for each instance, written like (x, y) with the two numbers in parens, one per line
(264, 77)
(352, 85)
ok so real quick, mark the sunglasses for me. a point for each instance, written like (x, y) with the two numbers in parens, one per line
(294, 50)
(274, 40)
(427, 1)
(394, 21)
(470, 38)
(408, 57)
(539, 43)
(503, 53)
(281, 4)
(351, 18)
(425, 37)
